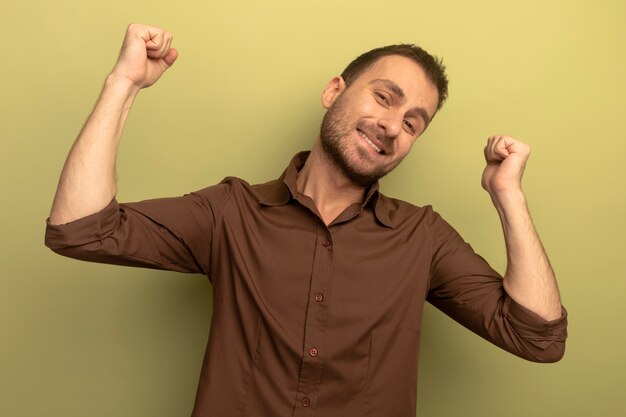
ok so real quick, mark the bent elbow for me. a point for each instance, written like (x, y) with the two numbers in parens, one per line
(554, 354)
(550, 354)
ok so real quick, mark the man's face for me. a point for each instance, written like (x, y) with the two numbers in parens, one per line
(371, 125)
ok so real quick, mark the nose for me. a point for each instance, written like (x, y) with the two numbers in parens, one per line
(391, 123)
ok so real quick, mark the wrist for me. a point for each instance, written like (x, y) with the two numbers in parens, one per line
(509, 198)
(119, 90)
(121, 85)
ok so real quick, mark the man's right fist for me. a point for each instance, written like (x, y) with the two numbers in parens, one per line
(145, 55)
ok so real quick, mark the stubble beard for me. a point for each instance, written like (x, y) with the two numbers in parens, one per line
(333, 134)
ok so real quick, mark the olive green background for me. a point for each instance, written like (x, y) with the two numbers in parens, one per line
(79, 339)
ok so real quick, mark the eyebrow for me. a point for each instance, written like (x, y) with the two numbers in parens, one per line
(395, 89)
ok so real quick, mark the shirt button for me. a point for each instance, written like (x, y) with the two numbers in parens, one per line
(319, 297)
(326, 243)
(306, 402)
(313, 352)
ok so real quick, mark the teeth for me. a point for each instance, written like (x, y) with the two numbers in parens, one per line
(372, 144)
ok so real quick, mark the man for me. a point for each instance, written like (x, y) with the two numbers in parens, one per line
(319, 280)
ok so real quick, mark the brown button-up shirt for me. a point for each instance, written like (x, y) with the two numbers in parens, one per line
(310, 319)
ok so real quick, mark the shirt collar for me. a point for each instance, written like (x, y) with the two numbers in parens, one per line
(281, 191)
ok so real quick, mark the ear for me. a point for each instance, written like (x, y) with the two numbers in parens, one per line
(334, 88)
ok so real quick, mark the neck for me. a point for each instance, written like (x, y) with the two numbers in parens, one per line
(328, 187)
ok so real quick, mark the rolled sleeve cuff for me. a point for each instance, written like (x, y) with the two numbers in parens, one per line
(540, 332)
(93, 227)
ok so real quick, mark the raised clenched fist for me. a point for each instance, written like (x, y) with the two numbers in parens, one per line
(145, 55)
(506, 159)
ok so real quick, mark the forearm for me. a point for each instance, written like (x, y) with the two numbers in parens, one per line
(88, 182)
(529, 277)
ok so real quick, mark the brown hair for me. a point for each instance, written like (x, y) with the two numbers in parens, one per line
(433, 66)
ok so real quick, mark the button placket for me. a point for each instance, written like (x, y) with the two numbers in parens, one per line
(312, 362)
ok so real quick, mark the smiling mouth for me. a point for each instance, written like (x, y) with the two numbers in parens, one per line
(367, 140)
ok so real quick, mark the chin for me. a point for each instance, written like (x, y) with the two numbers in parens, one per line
(362, 174)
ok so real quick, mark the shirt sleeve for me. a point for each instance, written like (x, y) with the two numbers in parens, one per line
(467, 289)
(167, 233)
